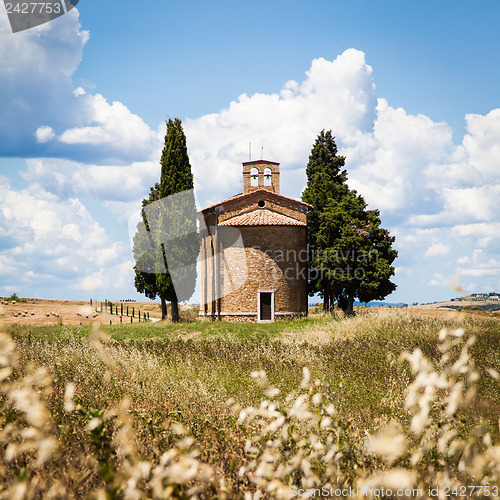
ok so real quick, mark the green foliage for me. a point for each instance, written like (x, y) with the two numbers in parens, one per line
(176, 173)
(173, 224)
(99, 430)
(326, 176)
(350, 254)
(15, 298)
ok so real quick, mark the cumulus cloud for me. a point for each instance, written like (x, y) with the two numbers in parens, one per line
(338, 95)
(45, 134)
(46, 239)
(111, 133)
(111, 183)
(41, 114)
(389, 170)
(35, 69)
(482, 144)
(438, 248)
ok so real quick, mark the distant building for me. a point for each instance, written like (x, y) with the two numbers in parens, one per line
(254, 251)
(479, 295)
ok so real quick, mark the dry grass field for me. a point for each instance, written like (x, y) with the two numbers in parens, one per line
(392, 398)
(43, 312)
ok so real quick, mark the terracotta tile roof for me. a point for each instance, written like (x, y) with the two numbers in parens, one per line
(241, 195)
(255, 162)
(261, 218)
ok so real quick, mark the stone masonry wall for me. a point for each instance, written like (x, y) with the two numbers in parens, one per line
(261, 166)
(276, 260)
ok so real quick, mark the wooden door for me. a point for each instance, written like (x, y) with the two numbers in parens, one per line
(265, 306)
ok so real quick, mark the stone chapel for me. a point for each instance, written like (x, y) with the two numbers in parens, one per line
(254, 251)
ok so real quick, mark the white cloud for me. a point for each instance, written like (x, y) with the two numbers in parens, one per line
(67, 178)
(338, 95)
(115, 133)
(482, 144)
(35, 69)
(45, 134)
(41, 114)
(439, 280)
(389, 171)
(478, 230)
(437, 249)
(56, 241)
(120, 274)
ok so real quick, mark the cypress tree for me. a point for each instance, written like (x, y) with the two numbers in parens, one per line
(351, 256)
(326, 179)
(166, 221)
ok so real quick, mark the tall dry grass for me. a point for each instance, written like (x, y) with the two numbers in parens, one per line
(107, 419)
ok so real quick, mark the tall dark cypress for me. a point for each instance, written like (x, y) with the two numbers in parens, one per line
(169, 228)
(351, 256)
(326, 179)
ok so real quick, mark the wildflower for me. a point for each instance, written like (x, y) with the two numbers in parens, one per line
(69, 392)
(306, 378)
(272, 392)
(394, 479)
(389, 442)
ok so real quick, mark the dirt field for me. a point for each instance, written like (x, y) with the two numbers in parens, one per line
(457, 303)
(67, 312)
(443, 309)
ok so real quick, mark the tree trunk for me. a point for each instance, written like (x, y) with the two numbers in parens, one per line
(175, 310)
(350, 306)
(163, 307)
(326, 301)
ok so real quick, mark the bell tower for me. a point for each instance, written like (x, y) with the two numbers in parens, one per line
(261, 174)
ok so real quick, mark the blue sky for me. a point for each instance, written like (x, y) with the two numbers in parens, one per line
(409, 89)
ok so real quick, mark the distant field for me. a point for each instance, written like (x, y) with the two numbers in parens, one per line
(493, 305)
(169, 374)
(27, 311)
(41, 312)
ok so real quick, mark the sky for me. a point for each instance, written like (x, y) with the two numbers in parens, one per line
(409, 90)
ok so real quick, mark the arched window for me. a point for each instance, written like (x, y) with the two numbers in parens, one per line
(254, 177)
(268, 177)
